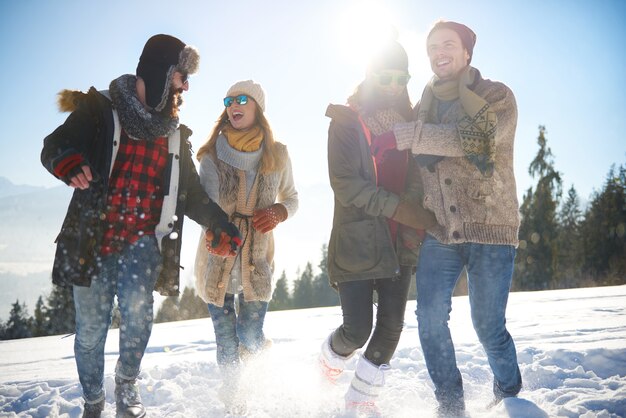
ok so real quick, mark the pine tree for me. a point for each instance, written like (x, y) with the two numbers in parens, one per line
(191, 306)
(19, 324)
(537, 253)
(570, 256)
(61, 314)
(303, 289)
(168, 311)
(40, 319)
(323, 293)
(280, 297)
(604, 230)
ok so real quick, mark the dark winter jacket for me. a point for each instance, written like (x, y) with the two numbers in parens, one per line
(90, 131)
(360, 246)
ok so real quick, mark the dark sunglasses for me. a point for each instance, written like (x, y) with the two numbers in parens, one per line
(387, 79)
(184, 78)
(242, 99)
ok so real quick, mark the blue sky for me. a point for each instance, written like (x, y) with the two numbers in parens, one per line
(564, 60)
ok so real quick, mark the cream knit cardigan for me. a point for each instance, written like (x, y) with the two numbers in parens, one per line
(212, 273)
(469, 207)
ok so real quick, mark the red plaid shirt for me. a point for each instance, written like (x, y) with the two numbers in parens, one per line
(135, 195)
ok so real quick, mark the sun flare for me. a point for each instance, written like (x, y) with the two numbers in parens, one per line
(362, 27)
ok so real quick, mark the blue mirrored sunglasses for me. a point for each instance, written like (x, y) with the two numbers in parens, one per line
(242, 99)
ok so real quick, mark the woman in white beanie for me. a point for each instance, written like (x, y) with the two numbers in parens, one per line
(249, 175)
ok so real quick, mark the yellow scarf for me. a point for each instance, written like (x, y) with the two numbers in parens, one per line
(246, 141)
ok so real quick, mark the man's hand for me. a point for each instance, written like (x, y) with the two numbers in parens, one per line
(80, 177)
(264, 220)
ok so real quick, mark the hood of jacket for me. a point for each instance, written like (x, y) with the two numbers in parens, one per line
(342, 114)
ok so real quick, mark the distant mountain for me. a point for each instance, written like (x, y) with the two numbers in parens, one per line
(31, 218)
(7, 188)
(30, 221)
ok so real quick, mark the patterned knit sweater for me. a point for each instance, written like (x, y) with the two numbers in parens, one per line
(469, 206)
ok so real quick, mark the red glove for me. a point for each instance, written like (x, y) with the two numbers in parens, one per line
(264, 220)
(381, 144)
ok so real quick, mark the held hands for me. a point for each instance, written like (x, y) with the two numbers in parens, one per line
(264, 220)
(413, 214)
(411, 238)
(223, 240)
(381, 144)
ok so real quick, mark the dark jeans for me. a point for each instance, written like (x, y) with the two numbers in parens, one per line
(357, 298)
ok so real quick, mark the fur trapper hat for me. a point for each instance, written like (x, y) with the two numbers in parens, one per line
(161, 56)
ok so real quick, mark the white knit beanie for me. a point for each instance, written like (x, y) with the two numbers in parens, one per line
(249, 88)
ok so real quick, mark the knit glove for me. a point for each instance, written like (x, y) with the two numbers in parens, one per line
(413, 214)
(264, 220)
(81, 177)
(381, 144)
(74, 170)
(224, 239)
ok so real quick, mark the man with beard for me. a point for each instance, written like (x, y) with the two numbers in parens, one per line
(129, 161)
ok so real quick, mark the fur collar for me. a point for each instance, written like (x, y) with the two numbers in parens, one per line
(137, 121)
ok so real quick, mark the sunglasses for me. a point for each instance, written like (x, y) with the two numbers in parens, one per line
(387, 79)
(242, 99)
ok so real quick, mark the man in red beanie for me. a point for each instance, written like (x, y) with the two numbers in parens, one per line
(463, 142)
(129, 161)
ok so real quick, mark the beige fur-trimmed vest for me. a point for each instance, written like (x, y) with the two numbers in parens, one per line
(257, 253)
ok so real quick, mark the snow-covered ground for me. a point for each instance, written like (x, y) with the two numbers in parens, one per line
(571, 345)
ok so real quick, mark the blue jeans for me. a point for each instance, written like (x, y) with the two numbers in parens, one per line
(489, 274)
(131, 275)
(232, 329)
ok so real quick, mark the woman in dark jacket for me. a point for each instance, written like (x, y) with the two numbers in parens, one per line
(377, 221)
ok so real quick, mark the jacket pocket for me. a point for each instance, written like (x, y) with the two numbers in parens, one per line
(357, 246)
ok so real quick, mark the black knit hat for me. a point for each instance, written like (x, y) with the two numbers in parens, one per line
(468, 37)
(161, 56)
(391, 56)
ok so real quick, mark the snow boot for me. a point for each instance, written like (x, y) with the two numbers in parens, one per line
(331, 363)
(363, 392)
(456, 410)
(127, 400)
(93, 410)
(234, 403)
(246, 354)
(230, 392)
